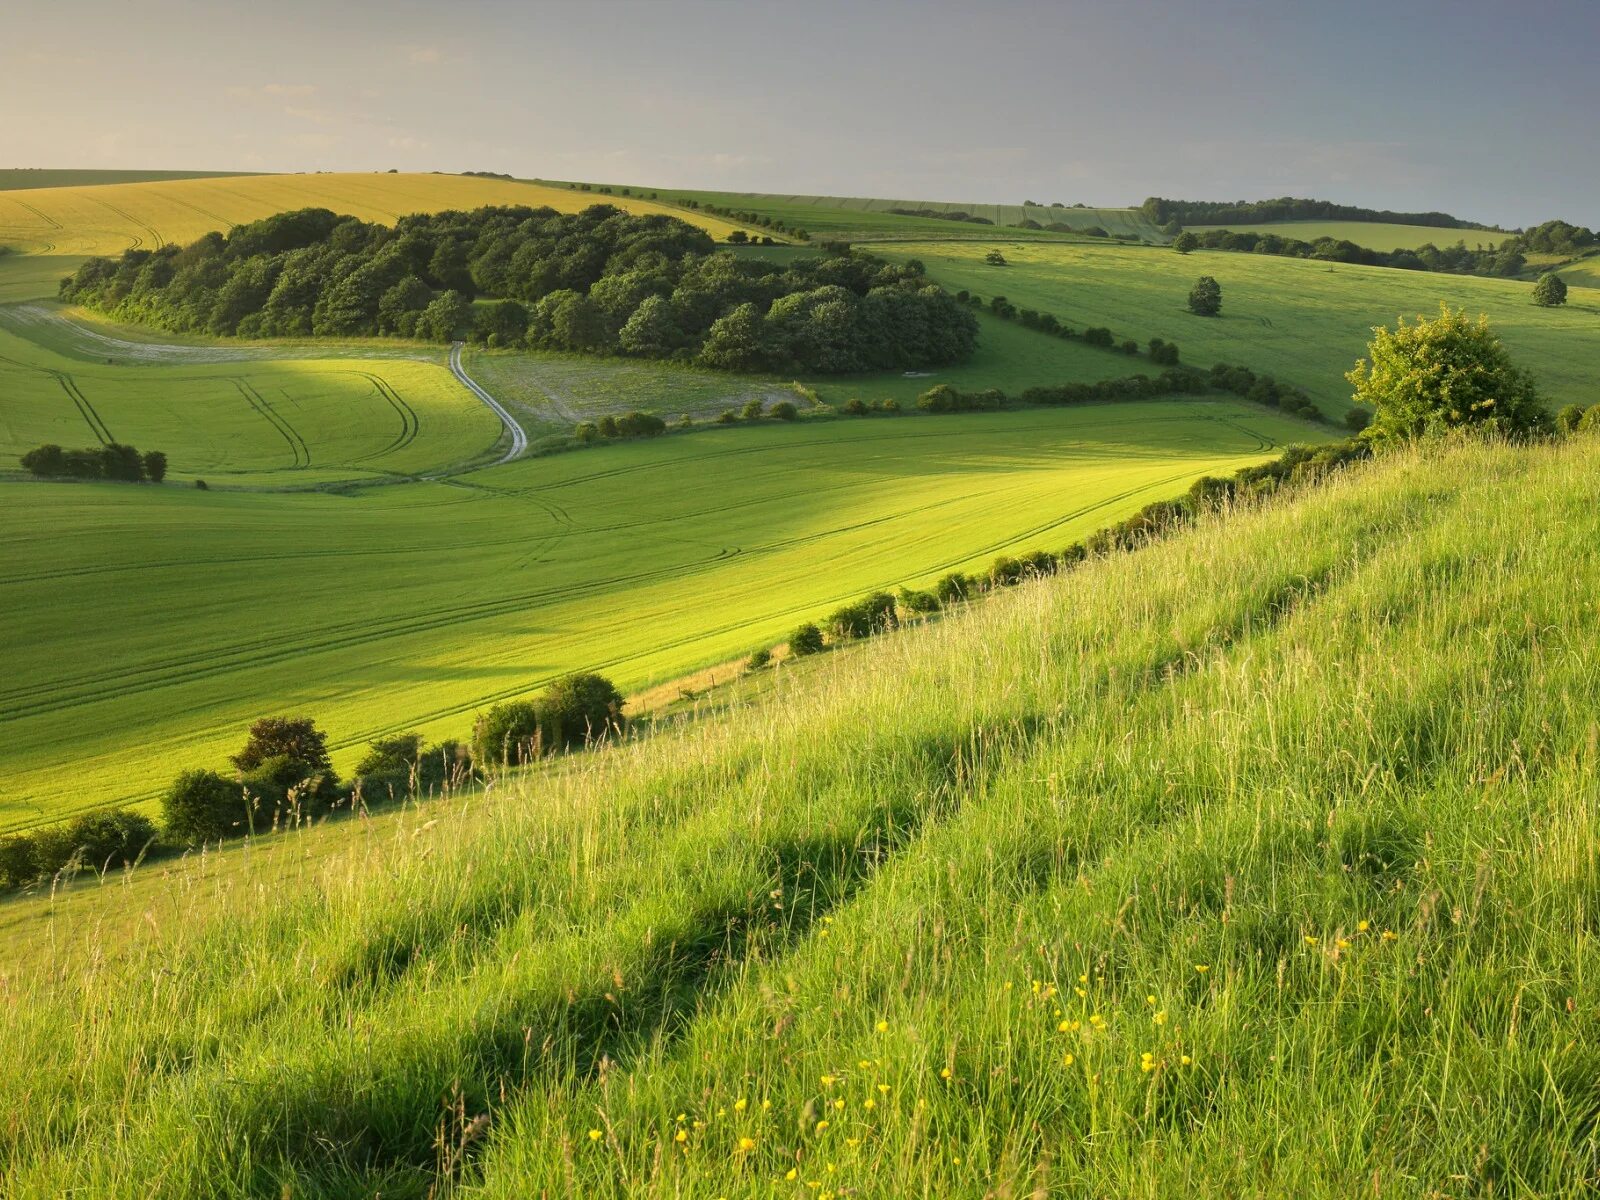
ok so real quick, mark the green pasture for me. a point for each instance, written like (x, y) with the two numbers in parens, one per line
(1371, 234)
(391, 608)
(245, 418)
(1260, 862)
(1304, 322)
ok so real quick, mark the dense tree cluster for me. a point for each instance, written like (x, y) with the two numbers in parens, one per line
(939, 214)
(111, 461)
(1160, 211)
(1505, 260)
(599, 281)
(574, 711)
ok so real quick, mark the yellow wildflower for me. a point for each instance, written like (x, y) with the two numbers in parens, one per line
(792, 1174)
(595, 1135)
(883, 1027)
(1202, 967)
(945, 1072)
(1363, 926)
(747, 1144)
(1068, 1061)
(822, 1124)
(1389, 935)
(740, 1104)
(1161, 1017)
(869, 1104)
(681, 1136)
(839, 1103)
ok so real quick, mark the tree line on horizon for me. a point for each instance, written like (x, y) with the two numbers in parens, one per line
(599, 281)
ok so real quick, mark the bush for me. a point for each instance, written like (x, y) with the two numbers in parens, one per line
(1163, 354)
(807, 639)
(1550, 291)
(752, 410)
(1099, 336)
(995, 259)
(855, 408)
(1444, 374)
(1185, 242)
(758, 660)
(1357, 419)
(640, 424)
(607, 426)
(1129, 346)
(784, 410)
(1591, 420)
(953, 587)
(47, 461)
(727, 417)
(586, 432)
(579, 709)
(202, 806)
(509, 733)
(19, 861)
(155, 465)
(296, 739)
(917, 601)
(106, 840)
(865, 617)
(200, 484)
(1205, 298)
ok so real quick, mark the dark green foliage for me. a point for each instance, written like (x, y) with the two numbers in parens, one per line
(1163, 354)
(295, 739)
(943, 398)
(995, 259)
(784, 410)
(752, 410)
(1099, 336)
(855, 407)
(758, 660)
(586, 432)
(509, 733)
(1567, 419)
(1550, 291)
(19, 861)
(113, 461)
(638, 424)
(867, 616)
(581, 708)
(600, 281)
(913, 600)
(1184, 243)
(1205, 298)
(1129, 346)
(402, 765)
(1357, 419)
(1161, 211)
(155, 465)
(1590, 422)
(806, 639)
(953, 587)
(47, 461)
(97, 841)
(202, 806)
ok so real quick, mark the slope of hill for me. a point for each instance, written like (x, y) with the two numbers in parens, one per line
(1259, 862)
(15, 178)
(55, 228)
(1301, 320)
(416, 606)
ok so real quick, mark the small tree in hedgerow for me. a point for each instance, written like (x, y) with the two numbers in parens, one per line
(1185, 242)
(1205, 298)
(805, 640)
(1550, 291)
(1449, 373)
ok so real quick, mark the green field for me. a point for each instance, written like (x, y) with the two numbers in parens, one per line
(246, 417)
(1371, 234)
(1304, 322)
(1261, 862)
(396, 607)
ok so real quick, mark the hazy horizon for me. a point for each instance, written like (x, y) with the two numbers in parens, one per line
(1468, 108)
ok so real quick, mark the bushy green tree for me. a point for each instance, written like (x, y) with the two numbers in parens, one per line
(202, 806)
(806, 639)
(296, 739)
(1205, 298)
(784, 410)
(1569, 417)
(1448, 373)
(509, 733)
(1550, 291)
(444, 317)
(581, 708)
(1185, 243)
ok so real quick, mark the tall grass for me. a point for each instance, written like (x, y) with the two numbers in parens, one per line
(1259, 862)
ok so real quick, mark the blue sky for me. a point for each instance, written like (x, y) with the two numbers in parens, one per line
(1485, 110)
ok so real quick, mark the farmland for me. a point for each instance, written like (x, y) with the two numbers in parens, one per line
(396, 607)
(54, 228)
(1371, 234)
(1302, 321)
(1209, 846)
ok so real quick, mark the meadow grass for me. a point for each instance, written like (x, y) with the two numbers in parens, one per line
(1374, 235)
(1304, 322)
(385, 608)
(53, 229)
(1259, 862)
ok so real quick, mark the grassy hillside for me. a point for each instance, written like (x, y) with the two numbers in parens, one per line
(57, 227)
(17, 178)
(1305, 322)
(1260, 862)
(397, 607)
(1371, 234)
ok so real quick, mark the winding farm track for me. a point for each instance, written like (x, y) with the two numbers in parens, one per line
(519, 438)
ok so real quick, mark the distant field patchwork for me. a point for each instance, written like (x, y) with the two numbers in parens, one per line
(1371, 234)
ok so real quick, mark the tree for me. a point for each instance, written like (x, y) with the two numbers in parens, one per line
(807, 639)
(1568, 418)
(294, 738)
(1205, 298)
(1185, 242)
(586, 432)
(995, 259)
(652, 330)
(509, 733)
(202, 806)
(155, 465)
(446, 314)
(579, 709)
(1452, 372)
(48, 460)
(1550, 291)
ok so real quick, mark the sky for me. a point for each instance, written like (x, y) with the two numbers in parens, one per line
(1485, 110)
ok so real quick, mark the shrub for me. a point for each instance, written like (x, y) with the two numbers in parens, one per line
(1550, 291)
(19, 861)
(758, 660)
(752, 410)
(1591, 420)
(1447, 373)
(586, 432)
(607, 426)
(865, 617)
(953, 587)
(855, 408)
(640, 424)
(103, 840)
(509, 733)
(727, 417)
(891, 405)
(995, 259)
(200, 484)
(296, 739)
(806, 639)
(46, 461)
(1099, 336)
(1129, 346)
(581, 708)
(1357, 419)
(917, 601)
(1185, 242)
(202, 806)
(1205, 298)
(1163, 354)
(784, 410)
(155, 465)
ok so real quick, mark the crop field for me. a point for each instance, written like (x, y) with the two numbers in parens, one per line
(245, 418)
(388, 608)
(52, 229)
(1371, 234)
(17, 178)
(1224, 867)
(1304, 322)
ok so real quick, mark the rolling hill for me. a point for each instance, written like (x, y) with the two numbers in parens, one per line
(1261, 861)
(1372, 234)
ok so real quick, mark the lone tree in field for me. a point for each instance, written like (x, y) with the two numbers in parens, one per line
(1185, 242)
(1205, 298)
(1449, 373)
(1550, 291)
(995, 259)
